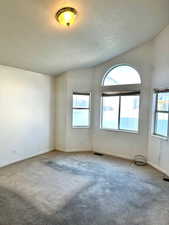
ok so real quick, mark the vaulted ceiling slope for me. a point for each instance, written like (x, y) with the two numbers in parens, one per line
(31, 39)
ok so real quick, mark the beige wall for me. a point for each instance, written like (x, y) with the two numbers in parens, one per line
(28, 99)
(121, 143)
(152, 62)
(94, 138)
(26, 114)
(68, 138)
(158, 152)
(61, 110)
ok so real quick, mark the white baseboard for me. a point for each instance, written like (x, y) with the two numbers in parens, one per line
(104, 153)
(40, 153)
(60, 149)
(117, 156)
(25, 158)
(114, 155)
(157, 168)
(73, 150)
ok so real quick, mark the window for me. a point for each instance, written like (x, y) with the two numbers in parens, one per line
(161, 113)
(120, 104)
(81, 110)
(110, 112)
(121, 75)
(121, 112)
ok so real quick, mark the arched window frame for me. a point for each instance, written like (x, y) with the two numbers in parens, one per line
(114, 67)
(120, 90)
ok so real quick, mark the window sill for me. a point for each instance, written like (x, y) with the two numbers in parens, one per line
(80, 127)
(123, 131)
(160, 137)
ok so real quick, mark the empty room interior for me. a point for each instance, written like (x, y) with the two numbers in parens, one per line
(84, 112)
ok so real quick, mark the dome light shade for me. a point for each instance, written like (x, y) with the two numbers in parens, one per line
(66, 16)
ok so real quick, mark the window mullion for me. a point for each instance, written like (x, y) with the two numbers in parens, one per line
(155, 114)
(160, 111)
(119, 112)
(80, 108)
(168, 125)
(77, 122)
(156, 118)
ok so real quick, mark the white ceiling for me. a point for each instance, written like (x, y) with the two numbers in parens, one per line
(31, 39)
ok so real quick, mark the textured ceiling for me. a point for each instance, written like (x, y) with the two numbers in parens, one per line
(31, 39)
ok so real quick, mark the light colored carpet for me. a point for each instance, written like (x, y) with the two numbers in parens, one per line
(82, 189)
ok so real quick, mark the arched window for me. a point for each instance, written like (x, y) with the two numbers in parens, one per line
(121, 75)
(121, 99)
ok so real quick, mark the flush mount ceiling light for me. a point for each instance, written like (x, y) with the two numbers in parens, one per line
(66, 16)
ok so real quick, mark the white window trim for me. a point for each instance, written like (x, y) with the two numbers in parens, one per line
(81, 93)
(120, 89)
(115, 66)
(155, 111)
(119, 130)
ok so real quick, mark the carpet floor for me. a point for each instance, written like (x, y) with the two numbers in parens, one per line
(82, 189)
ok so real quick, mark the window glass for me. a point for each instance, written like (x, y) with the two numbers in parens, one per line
(161, 124)
(129, 114)
(125, 119)
(121, 75)
(120, 108)
(80, 101)
(163, 101)
(110, 112)
(80, 118)
(81, 110)
(161, 113)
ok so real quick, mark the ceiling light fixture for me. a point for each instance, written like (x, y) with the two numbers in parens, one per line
(66, 16)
